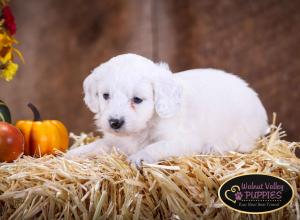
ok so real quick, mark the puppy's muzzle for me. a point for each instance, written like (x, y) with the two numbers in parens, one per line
(116, 123)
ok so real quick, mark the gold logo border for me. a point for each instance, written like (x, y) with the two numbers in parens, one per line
(255, 213)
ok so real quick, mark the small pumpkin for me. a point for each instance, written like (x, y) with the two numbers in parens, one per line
(43, 136)
(11, 142)
(4, 112)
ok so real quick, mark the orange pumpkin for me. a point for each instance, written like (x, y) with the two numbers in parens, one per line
(43, 136)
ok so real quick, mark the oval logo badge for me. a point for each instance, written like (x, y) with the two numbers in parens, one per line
(256, 193)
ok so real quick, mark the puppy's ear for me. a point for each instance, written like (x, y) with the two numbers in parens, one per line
(167, 93)
(90, 92)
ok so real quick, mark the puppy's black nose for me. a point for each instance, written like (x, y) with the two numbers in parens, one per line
(116, 123)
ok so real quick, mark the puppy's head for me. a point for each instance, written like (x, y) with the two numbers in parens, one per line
(127, 91)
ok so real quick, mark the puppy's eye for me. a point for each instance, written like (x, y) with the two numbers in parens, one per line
(137, 100)
(105, 96)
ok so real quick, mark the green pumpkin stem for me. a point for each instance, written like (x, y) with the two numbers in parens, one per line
(36, 113)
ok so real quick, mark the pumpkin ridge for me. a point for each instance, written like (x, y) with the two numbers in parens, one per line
(63, 133)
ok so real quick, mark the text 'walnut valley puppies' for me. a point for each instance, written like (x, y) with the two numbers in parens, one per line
(151, 114)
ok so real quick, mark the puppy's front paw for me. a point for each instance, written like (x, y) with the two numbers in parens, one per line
(139, 157)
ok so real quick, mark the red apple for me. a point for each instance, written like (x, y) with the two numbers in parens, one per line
(11, 142)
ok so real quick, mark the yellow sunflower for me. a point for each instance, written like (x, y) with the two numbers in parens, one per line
(9, 71)
(7, 66)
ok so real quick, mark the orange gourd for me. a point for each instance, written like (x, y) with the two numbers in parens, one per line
(43, 136)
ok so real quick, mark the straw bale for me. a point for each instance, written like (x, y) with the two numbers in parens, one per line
(107, 187)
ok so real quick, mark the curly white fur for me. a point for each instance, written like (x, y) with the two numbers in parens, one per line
(196, 111)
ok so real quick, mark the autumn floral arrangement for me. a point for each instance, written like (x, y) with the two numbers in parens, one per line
(8, 67)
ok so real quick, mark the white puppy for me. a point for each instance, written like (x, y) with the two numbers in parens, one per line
(151, 114)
